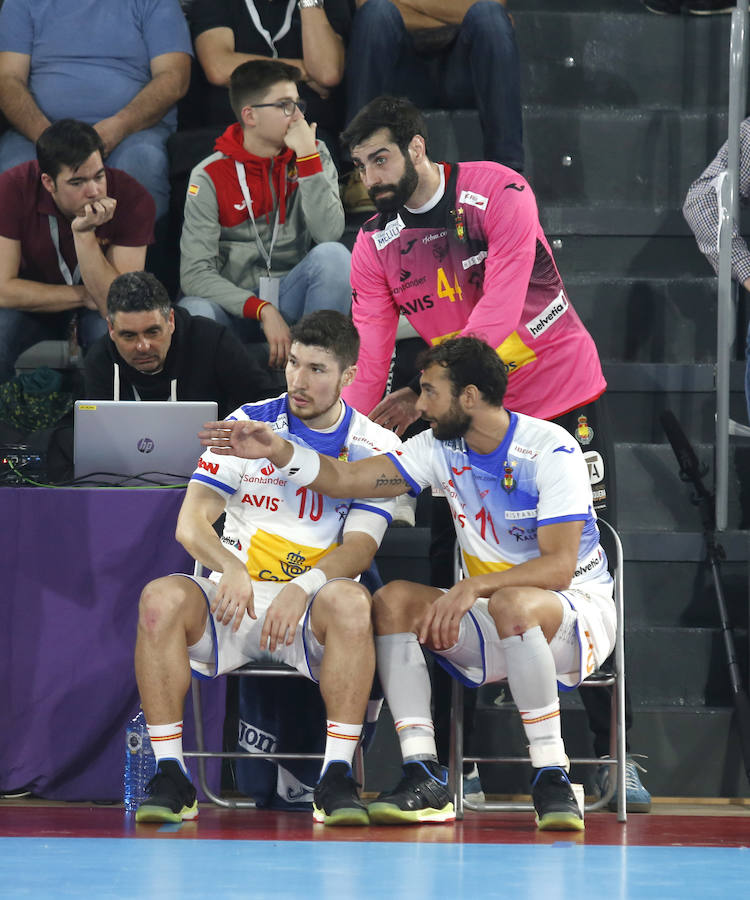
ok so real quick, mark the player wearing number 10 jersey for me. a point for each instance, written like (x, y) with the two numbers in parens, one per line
(283, 578)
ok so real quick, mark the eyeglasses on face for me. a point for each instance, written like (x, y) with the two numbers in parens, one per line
(286, 106)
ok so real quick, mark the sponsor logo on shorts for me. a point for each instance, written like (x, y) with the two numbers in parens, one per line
(389, 234)
(548, 316)
(472, 199)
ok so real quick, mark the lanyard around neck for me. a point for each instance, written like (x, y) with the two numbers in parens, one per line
(282, 32)
(54, 233)
(266, 254)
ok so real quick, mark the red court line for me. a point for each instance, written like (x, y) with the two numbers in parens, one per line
(477, 828)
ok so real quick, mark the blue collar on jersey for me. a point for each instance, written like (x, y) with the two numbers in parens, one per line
(486, 460)
(329, 443)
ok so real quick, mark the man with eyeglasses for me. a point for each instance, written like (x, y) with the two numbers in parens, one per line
(253, 211)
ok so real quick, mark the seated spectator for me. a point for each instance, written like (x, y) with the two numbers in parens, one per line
(120, 65)
(446, 55)
(253, 210)
(307, 34)
(155, 352)
(69, 226)
(701, 211)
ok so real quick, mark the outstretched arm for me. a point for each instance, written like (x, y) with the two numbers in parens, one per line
(375, 476)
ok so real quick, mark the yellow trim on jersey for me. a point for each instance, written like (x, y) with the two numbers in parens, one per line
(271, 557)
(476, 566)
(513, 352)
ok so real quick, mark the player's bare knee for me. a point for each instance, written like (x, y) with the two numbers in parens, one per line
(391, 608)
(345, 605)
(510, 611)
(160, 606)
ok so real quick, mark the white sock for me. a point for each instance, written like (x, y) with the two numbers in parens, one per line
(533, 683)
(341, 742)
(166, 742)
(406, 684)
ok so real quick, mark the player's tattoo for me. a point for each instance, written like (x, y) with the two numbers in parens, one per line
(384, 481)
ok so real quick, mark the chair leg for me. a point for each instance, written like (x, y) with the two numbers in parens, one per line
(201, 760)
(456, 757)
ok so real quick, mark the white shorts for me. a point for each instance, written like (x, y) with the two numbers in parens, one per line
(583, 641)
(227, 650)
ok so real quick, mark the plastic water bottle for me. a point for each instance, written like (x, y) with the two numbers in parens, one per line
(140, 763)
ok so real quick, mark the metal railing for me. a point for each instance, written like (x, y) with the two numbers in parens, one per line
(729, 218)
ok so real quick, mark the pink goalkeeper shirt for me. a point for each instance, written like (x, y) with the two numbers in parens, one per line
(478, 264)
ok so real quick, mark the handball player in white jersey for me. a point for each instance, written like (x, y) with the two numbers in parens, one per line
(283, 581)
(536, 606)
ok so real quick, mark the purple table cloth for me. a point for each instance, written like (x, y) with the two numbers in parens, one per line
(74, 561)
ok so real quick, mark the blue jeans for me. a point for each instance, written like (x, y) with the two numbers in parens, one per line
(480, 69)
(319, 281)
(20, 330)
(142, 155)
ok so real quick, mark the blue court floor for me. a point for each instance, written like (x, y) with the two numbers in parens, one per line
(58, 850)
(112, 867)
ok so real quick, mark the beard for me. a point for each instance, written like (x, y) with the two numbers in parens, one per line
(452, 426)
(399, 192)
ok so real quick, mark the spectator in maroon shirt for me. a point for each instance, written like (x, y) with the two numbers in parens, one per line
(68, 227)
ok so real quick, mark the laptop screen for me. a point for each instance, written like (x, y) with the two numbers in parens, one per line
(126, 442)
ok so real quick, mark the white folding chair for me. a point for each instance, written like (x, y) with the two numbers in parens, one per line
(263, 670)
(599, 679)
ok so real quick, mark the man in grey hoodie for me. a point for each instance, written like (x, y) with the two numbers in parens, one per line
(253, 210)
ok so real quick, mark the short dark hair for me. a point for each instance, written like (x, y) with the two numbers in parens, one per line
(331, 330)
(249, 82)
(469, 360)
(66, 142)
(397, 114)
(137, 292)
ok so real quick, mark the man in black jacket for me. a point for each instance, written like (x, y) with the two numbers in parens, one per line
(157, 352)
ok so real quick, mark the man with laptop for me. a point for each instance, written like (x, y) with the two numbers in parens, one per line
(157, 352)
(283, 579)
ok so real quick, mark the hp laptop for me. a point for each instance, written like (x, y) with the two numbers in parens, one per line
(115, 441)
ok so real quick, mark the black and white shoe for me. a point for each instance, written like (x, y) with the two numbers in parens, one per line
(554, 801)
(421, 796)
(336, 799)
(171, 796)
